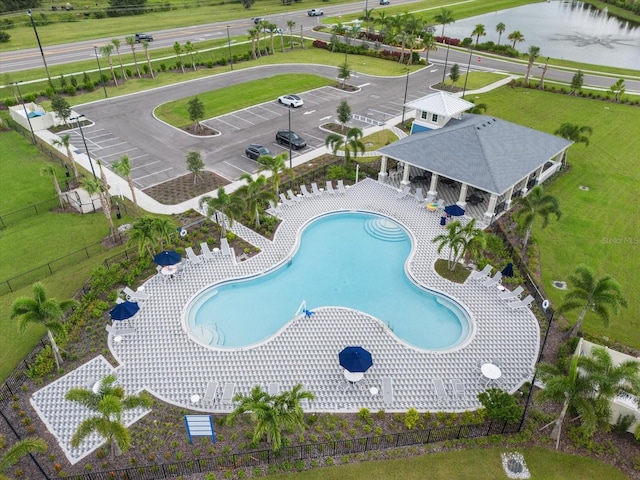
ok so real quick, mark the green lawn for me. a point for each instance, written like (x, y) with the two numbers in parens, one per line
(598, 227)
(469, 464)
(476, 80)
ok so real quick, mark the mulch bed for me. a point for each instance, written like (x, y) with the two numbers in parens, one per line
(183, 188)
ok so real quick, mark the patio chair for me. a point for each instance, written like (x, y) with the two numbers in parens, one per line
(315, 189)
(134, 296)
(341, 188)
(522, 303)
(224, 246)
(458, 387)
(441, 392)
(330, 187)
(482, 274)
(274, 389)
(305, 193)
(419, 196)
(211, 393)
(508, 295)
(406, 190)
(493, 281)
(191, 255)
(206, 253)
(285, 200)
(387, 391)
(497, 362)
(180, 272)
(119, 300)
(275, 208)
(120, 331)
(292, 196)
(227, 393)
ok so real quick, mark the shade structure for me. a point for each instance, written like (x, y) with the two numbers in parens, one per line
(165, 258)
(124, 310)
(508, 270)
(454, 210)
(355, 359)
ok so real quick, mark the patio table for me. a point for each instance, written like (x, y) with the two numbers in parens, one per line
(491, 372)
(353, 377)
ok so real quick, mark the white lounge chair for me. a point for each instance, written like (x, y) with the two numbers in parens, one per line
(224, 246)
(274, 389)
(493, 281)
(206, 253)
(406, 190)
(482, 274)
(306, 193)
(191, 255)
(227, 393)
(315, 189)
(419, 196)
(458, 387)
(274, 206)
(508, 295)
(522, 303)
(330, 187)
(119, 300)
(292, 196)
(120, 331)
(341, 188)
(441, 392)
(285, 200)
(387, 391)
(211, 393)
(134, 296)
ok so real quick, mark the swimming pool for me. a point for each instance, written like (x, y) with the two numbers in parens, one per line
(348, 259)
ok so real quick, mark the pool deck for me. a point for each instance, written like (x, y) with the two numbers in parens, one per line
(161, 358)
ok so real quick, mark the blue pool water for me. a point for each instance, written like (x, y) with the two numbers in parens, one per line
(353, 260)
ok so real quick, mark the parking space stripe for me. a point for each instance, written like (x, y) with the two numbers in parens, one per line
(254, 113)
(243, 119)
(119, 152)
(237, 168)
(145, 165)
(269, 110)
(152, 174)
(227, 123)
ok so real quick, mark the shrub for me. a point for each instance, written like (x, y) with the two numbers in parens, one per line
(45, 363)
(10, 102)
(411, 418)
(4, 36)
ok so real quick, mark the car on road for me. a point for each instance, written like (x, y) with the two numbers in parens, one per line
(276, 30)
(290, 138)
(291, 101)
(143, 37)
(315, 12)
(384, 2)
(254, 151)
(257, 20)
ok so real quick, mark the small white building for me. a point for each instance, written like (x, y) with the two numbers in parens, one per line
(39, 118)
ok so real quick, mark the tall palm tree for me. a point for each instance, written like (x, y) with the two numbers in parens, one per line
(163, 228)
(276, 165)
(253, 35)
(478, 31)
(474, 240)
(430, 44)
(516, 36)
(50, 170)
(571, 388)
(271, 27)
(123, 168)
(131, 41)
(143, 233)
(454, 240)
(292, 402)
(97, 187)
(588, 293)
(445, 17)
(338, 29)
(65, 141)
(116, 43)
(367, 18)
(575, 133)
(255, 194)
(231, 207)
(44, 311)
(145, 46)
(177, 48)
(109, 403)
(383, 20)
(533, 53)
(291, 24)
(536, 204)
(107, 51)
(18, 450)
(500, 28)
(190, 50)
(351, 143)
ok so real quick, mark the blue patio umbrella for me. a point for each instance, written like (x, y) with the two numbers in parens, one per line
(454, 210)
(124, 311)
(165, 258)
(355, 359)
(508, 270)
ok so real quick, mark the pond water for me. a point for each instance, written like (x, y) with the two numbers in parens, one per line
(566, 30)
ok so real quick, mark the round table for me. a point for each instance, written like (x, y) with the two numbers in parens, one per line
(117, 338)
(195, 398)
(490, 371)
(353, 377)
(169, 270)
(373, 391)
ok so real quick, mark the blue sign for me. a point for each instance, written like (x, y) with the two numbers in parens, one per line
(199, 426)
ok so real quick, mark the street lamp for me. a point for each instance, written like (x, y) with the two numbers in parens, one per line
(290, 158)
(464, 89)
(26, 114)
(404, 103)
(33, 23)
(84, 140)
(229, 47)
(104, 87)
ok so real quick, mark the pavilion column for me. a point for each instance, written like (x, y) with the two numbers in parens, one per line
(433, 187)
(524, 189)
(383, 175)
(462, 199)
(405, 175)
(509, 200)
(538, 174)
(491, 210)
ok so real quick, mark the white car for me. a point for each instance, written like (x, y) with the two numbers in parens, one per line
(290, 101)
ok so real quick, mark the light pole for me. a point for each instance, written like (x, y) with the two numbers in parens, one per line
(33, 23)
(446, 59)
(464, 89)
(84, 140)
(26, 114)
(290, 158)
(104, 87)
(229, 47)
(404, 103)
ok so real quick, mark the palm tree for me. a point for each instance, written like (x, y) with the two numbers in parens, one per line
(131, 41)
(94, 186)
(277, 166)
(177, 48)
(163, 228)
(430, 44)
(292, 400)
(478, 31)
(123, 168)
(107, 51)
(454, 240)
(255, 194)
(50, 170)
(500, 28)
(533, 54)
(338, 29)
(588, 293)
(445, 17)
(367, 18)
(145, 45)
(253, 35)
(516, 36)
(65, 141)
(291, 24)
(571, 388)
(535, 204)
(116, 43)
(109, 403)
(474, 240)
(191, 50)
(231, 207)
(351, 143)
(143, 233)
(271, 27)
(18, 450)
(575, 133)
(383, 21)
(44, 311)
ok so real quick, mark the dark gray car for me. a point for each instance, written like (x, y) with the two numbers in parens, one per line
(286, 137)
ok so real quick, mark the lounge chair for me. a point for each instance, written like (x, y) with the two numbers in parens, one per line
(180, 272)
(224, 246)
(191, 255)
(120, 331)
(387, 391)
(211, 393)
(493, 281)
(206, 253)
(306, 193)
(419, 196)
(482, 274)
(341, 188)
(441, 392)
(119, 300)
(134, 296)
(315, 189)
(292, 196)
(227, 393)
(274, 389)
(429, 199)
(285, 200)
(330, 187)
(458, 387)
(406, 190)
(508, 295)
(522, 303)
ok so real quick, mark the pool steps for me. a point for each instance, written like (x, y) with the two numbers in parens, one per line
(385, 229)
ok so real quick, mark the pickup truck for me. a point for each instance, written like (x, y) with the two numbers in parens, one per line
(315, 12)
